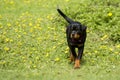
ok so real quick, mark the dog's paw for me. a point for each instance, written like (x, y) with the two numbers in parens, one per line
(76, 67)
(77, 64)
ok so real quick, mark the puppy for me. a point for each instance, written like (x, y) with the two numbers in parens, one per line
(76, 37)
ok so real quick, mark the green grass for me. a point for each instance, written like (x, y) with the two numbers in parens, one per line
(33, 42)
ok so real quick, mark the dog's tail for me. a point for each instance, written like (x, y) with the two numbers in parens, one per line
(64, 16)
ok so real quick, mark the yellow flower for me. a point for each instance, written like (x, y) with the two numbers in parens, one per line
(88, 31)
(16, 30)
(96, 51)
(39, 19)
(103, 47)
(30, 24)
(8, 24)
(47, 55)
(19, 36)
(118, 46)
(31, 30)
(11, 40)
(110, 49)
(2, 62)
(54, 47)
(24, 33)
(34, 66)
(11, 2)
(50, 17)
(67, 48)
(67, 0)
(116, 52)
(89, 53)
(66, 51)
(6, 48)
(57, 59)
(109, 14)
(104, 37)
(37, 58)
(7, 40)
(30, 62)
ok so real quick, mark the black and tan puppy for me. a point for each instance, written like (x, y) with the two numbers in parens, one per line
(76, 36)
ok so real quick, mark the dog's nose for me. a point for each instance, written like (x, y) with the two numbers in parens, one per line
(72, 35)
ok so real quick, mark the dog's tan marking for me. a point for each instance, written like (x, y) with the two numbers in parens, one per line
(77, 64)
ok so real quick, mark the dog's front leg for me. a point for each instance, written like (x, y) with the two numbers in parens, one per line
(77, 60)
(80, 52)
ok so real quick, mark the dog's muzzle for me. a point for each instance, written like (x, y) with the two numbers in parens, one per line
(74, 35)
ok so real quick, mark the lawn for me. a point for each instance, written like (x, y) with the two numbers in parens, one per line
(33, 42)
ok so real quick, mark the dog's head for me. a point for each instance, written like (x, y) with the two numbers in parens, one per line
(75, 30)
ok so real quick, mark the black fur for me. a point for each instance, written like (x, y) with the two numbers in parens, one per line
(76, 36)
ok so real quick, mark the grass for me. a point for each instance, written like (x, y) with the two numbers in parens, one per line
(33, 41)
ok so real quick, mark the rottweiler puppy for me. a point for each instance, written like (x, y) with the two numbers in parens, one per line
(76, 37)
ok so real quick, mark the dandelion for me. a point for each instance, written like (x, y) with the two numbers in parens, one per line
(8, 24)
(66, 51)
(67, 48)
(38, 25)
(4, 33)
(16, 30)
(34, 66)
(33, 36)
(6, 48)
(24, 25)
(118, 46)
(109, 14)
(54, 47)
(27, 1)
(96, 51)
(37, 58)
(35, 27)
(30, 24)
(30, 62)
(48, 17)
(2, 62)
(24, 33)
(89, 53)
(19, 36)
(104, 37)
(103, 47)
(24, 60)
(11, 2)
(57, 59)
(116, 52)
(47, 55)
(31, 30)
(88, 31)
(7, 40)
(39, 19)
(110, 49)
(11, 40)
(67, 0)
